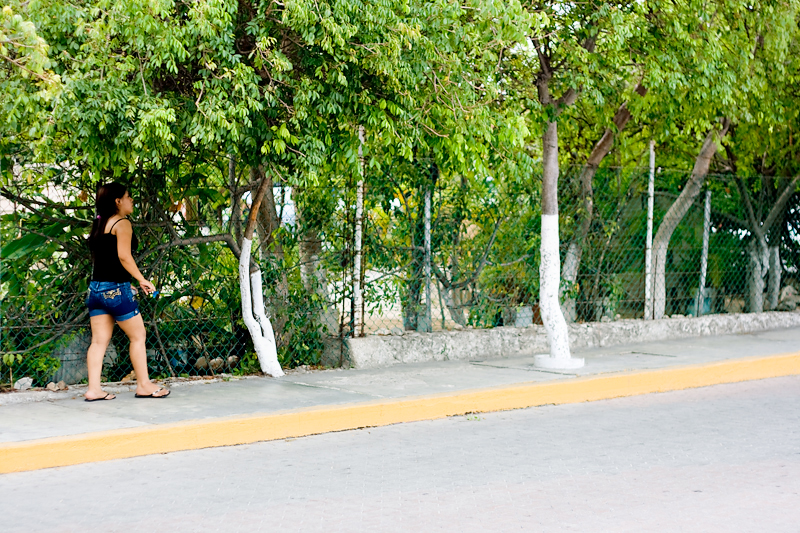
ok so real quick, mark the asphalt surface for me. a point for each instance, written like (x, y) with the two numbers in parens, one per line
(722, 458)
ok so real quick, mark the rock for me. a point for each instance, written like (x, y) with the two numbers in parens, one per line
(52, 387)
(217, 363)
(789, 299)
(62, 385)
(23, 384)
(523, 316)
(787, 292)
(458, 327)
(73, 359)
(617, 316)
(397, 331)
(677, 316)
(605, 319)
(383, 332)
(201, 363)
(733, 305)
(232, 360)
(130, 377)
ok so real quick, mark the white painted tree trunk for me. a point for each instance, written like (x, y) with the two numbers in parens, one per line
(254, 316)
(554, 323)
(550, 263)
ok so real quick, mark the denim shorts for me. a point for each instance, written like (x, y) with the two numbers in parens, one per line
(111, 298)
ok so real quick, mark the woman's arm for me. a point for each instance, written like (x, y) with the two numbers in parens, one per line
(124, 233)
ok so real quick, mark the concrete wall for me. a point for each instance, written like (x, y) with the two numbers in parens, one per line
(376, 351)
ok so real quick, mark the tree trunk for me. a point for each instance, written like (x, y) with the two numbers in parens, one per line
(675, 214)
(761, 258)
(258, 325)
(453, 294)
(236, 201)
(454, 297)
(413, 309)
(549, 269)
(271, 249)
(268, 222)
(313, 277)
(774, 280)
(757, 266)
(312, 274)
(572, 259)
(412, 304)
(453, 303)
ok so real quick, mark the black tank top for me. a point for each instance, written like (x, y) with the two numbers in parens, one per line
(107, 266)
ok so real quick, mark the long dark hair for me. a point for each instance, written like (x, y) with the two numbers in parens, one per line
(106, 207)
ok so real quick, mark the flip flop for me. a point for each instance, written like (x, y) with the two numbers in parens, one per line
(106, 397)
(152, 395)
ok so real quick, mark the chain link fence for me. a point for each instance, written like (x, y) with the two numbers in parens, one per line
(435, 254)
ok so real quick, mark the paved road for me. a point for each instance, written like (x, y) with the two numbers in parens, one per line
(724, 458)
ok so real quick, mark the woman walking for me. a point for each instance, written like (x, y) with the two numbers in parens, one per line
(111, 297)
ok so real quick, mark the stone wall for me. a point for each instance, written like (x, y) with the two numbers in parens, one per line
(376, 351)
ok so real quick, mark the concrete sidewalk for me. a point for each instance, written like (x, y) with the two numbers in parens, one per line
(68, 430)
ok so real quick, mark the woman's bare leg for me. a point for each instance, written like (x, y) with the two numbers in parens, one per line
(102, 328)
(134, 329)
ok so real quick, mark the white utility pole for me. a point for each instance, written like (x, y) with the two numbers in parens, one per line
(648, 249)
(358, 318)
(704, 254)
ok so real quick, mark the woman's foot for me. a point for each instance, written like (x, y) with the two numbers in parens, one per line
(160, 393)
(94, 396)
(151, 390)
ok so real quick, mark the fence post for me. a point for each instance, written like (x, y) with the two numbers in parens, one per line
(358, 319)
(648, 250)
(427, 322)
(704, 254)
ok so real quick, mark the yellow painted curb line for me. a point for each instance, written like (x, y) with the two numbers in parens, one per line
(196, 434)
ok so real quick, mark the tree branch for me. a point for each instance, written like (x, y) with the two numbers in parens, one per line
(252, 216)
(483, 261)
(780, 204)
(5, 192)
(568, 98)
(755, 226)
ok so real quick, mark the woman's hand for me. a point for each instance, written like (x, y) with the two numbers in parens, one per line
(147, 287)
